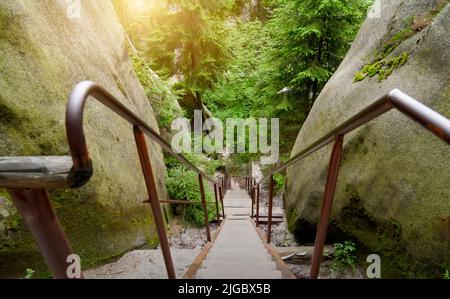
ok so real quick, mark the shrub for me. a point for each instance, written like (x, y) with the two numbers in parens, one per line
(183, 184)
(279, 180)
(446, 274)
(344, 256)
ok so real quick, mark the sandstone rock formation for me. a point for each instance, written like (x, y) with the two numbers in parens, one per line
(393, 191)
(46, 48)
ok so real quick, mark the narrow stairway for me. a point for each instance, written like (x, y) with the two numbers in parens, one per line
(238, 252)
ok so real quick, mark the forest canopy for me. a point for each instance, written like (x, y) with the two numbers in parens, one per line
(245, 58)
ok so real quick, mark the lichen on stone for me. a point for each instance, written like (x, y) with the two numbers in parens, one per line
(383, 65)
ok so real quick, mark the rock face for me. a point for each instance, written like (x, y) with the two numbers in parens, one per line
(393, 192)
(46, 48)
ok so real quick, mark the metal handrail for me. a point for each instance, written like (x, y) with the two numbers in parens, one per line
(33, 202)
(75, 133)
(428, 118)
(83, 165)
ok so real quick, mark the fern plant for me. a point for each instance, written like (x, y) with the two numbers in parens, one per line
(446, 274)
(29, 274)
(344, 256)
(182, 184)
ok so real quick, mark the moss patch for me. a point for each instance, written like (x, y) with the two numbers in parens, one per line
(382, 68)
(385, 239)
(383, 65)
(97, 233)
(292, 216)
(38, 69)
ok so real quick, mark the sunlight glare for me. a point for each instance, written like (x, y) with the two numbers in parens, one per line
(140, 7)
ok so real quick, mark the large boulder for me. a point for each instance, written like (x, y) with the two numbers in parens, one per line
(393, 191)
(46, 48)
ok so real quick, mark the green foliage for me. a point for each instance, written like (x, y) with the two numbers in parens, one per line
(309, 40)
(29, 274)
(446, 274)
(183, 184)
(381, 64)
(292, 216)
(163, 100)
(208, 165)
(187, 38)
(344, 256)
(242, 58)
(280, 181)
(383, 68)
(396, 40)
(286, 49)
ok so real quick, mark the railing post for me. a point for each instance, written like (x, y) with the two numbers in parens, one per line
(154, 201)
(253, 193)
(222, 183)
(217, 203)
(269, 216)
(205, 207)
(221, 200)
(257, 205)
(330, 189)
(40, 218)
(246, 184)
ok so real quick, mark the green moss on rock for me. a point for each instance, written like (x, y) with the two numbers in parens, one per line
(44, 54)
(392, 195)
(384, 239)
(382, 64)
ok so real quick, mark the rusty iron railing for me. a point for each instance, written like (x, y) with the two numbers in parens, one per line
(27, 179)
(428, 118)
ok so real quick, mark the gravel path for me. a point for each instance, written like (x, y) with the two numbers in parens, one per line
(144, 264)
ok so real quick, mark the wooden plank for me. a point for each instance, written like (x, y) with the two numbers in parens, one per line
(197, 263)
(273, 221)
(273, 216)
(35, 172)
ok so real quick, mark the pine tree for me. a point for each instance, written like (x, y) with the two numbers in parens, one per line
(188, 42)
(310, 39)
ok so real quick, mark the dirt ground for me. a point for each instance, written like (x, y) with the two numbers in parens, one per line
(186, 242)
(285, 242)
(186, 236)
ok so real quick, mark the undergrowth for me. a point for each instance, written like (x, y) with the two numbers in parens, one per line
(344, 256)
(183, 184)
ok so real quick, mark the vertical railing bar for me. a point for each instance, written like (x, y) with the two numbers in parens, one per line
(257, 204)
(153, 199)
(246, 184)
(222, 182)
(253, 203)
(205, 208)
(327, 204)
(217, 203)
(269, 216)
(221, 200)
(40, 217)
